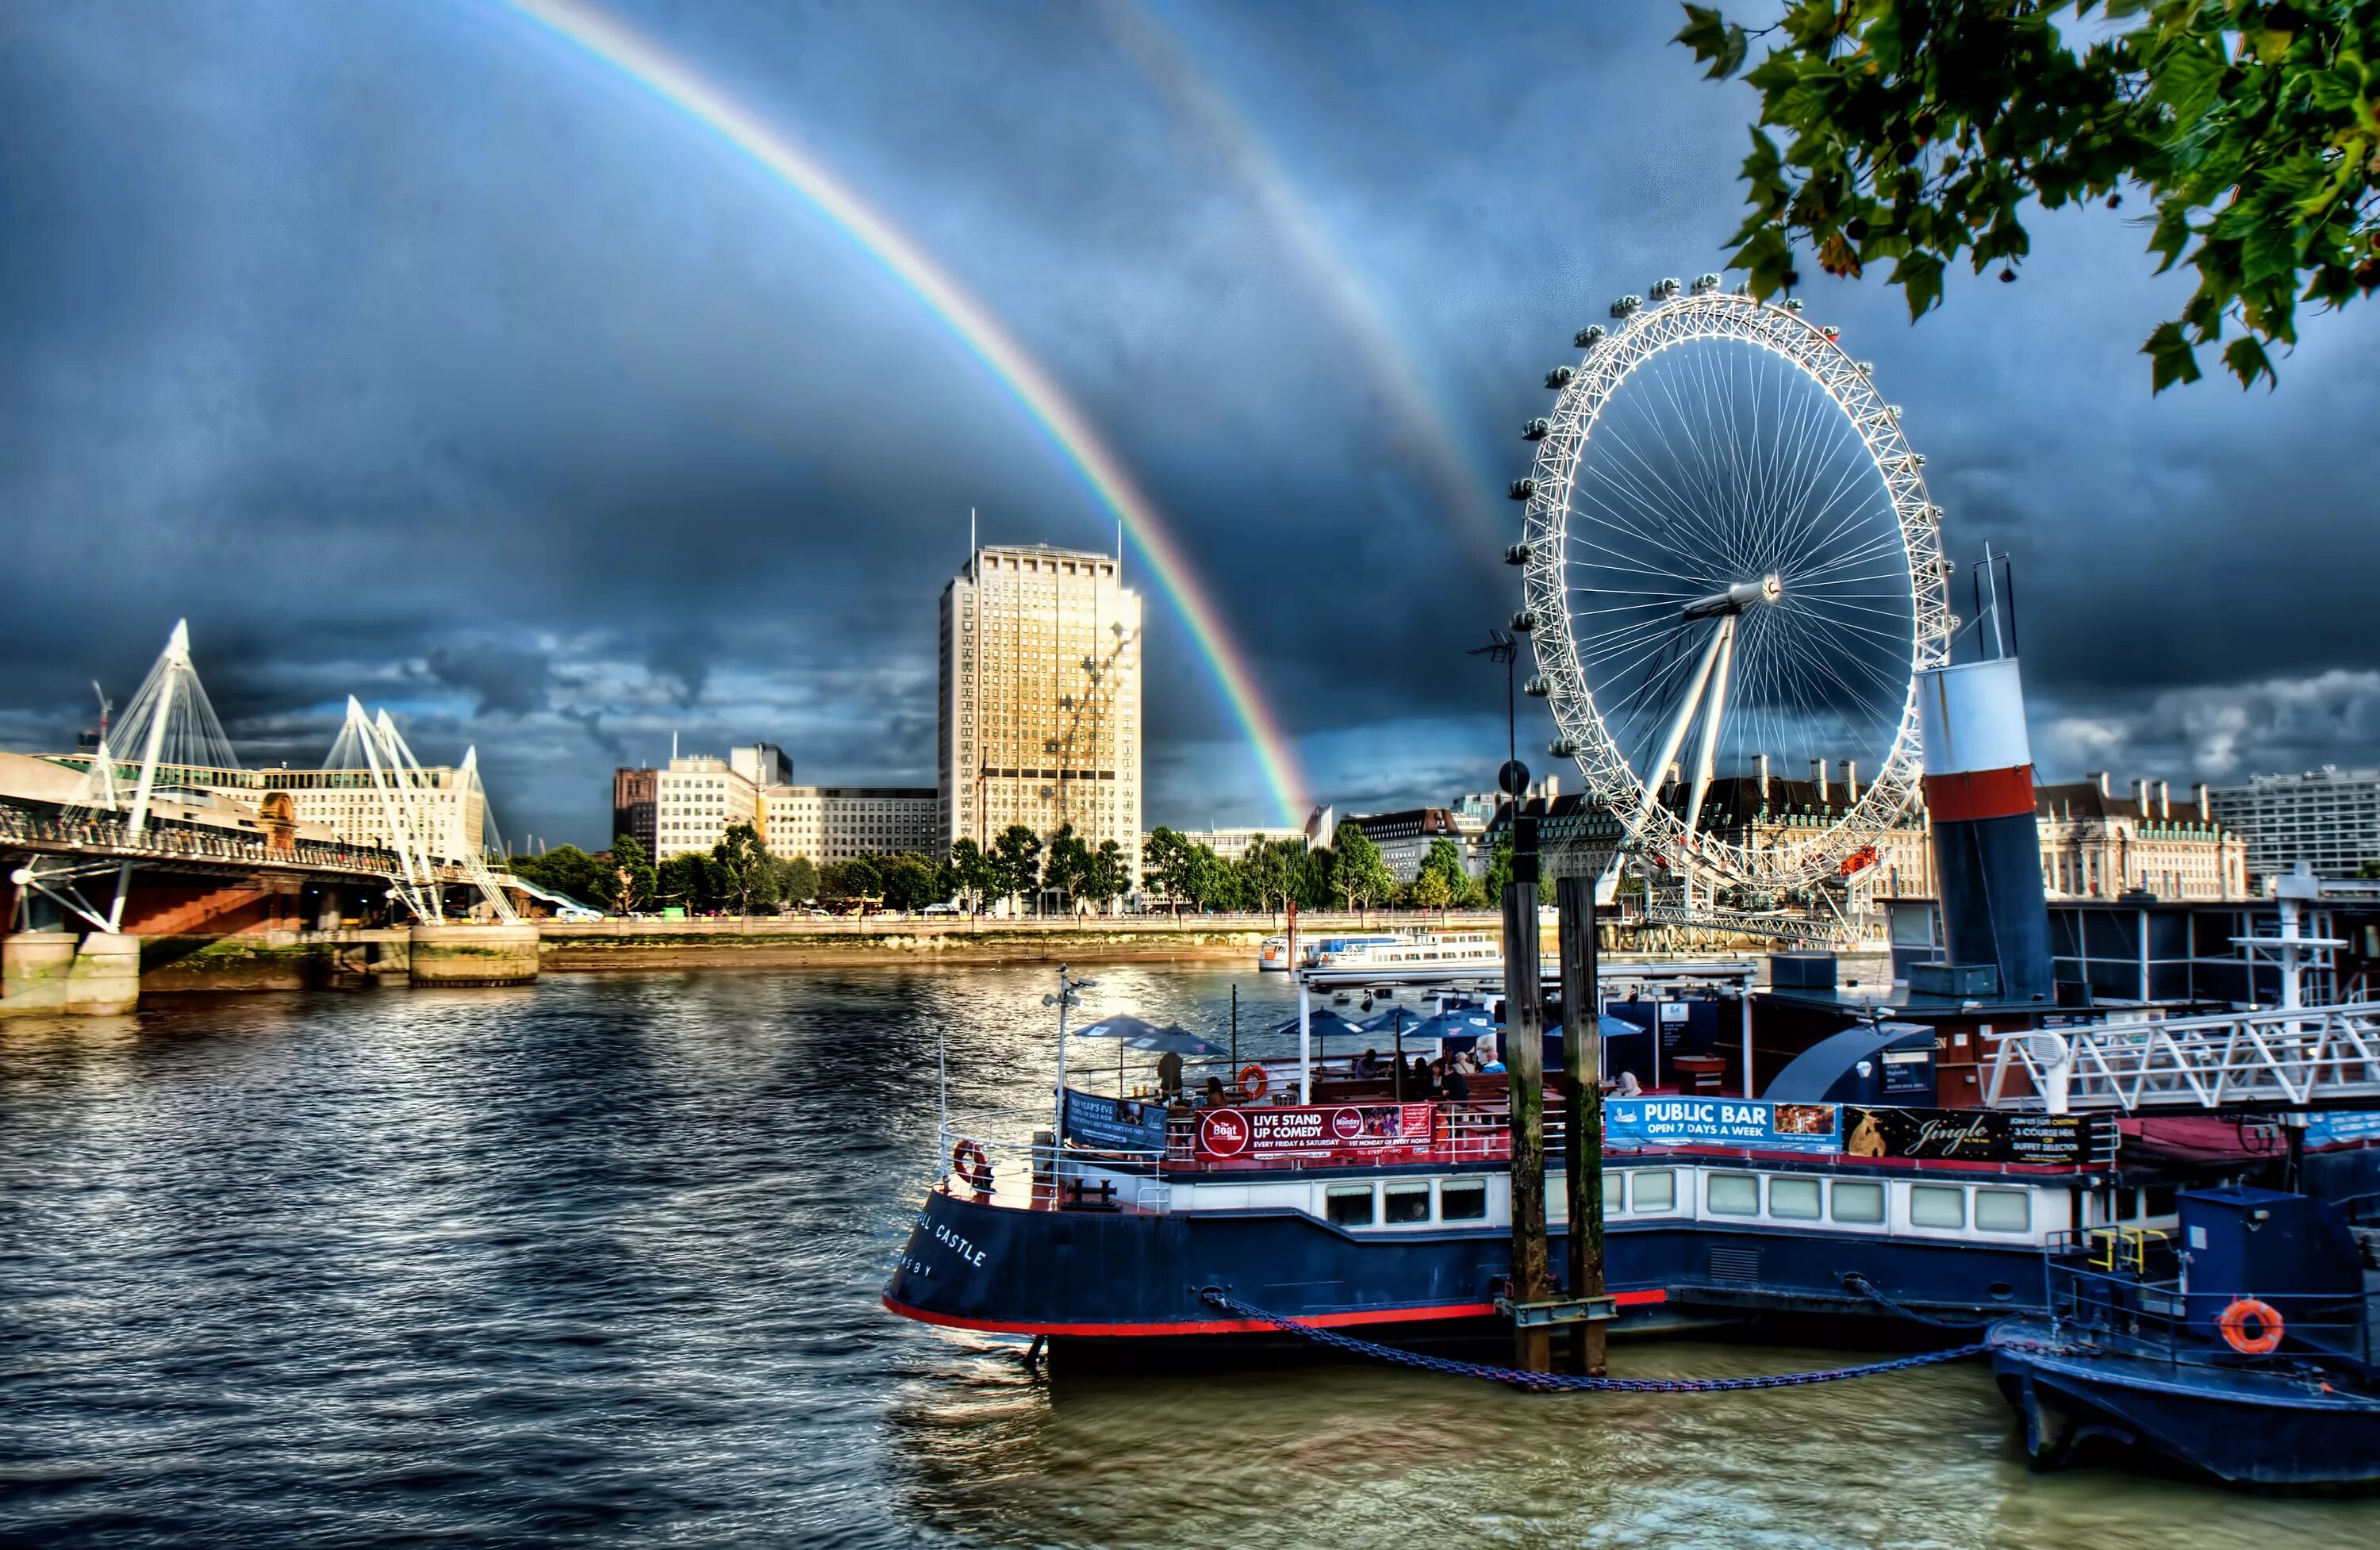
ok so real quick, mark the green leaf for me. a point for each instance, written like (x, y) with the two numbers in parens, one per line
(1919, 275)
(1705, 33)
(2246, 357)
(2171, 360)
(2187, 74)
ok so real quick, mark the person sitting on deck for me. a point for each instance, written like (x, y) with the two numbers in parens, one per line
(1628, 1086)
(1419, 1082)
(1169, 1075)
(1368, 1064)
(1448, 1082)
(1216, 1096)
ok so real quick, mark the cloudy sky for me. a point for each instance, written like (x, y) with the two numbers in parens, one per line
(411, 352)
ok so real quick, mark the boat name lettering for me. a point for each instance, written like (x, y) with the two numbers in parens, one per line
(960, 1246)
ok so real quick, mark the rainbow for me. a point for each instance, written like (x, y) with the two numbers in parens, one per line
(1472, 493)
(656, 70)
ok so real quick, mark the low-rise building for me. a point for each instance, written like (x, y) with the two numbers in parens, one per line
(346, 803)
(2329, 818)
(1230, 844)
(838, 823)
(2095, 844)
(1404, 838)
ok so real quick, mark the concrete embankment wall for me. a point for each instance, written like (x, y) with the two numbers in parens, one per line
(769, 944)
(277, 961)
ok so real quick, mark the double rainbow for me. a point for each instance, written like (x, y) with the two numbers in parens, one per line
(667, 78)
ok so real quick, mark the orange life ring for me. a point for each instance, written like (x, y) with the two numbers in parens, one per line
(974, 1167)
(1253, 1080)
(2234, 1324)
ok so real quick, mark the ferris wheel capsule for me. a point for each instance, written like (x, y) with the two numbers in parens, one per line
(1588, 337)
(1518, 554)
(1705, 284)
(1524, 622)
(1665, 290)
(1562, 748)
(1534, 431)
(1521, 489)
(1560, 377)
(1627, 306)
(1538, 687)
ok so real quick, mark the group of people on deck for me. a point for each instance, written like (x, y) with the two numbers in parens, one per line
(1446, 1078)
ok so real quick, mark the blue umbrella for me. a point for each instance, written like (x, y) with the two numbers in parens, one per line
(1140, 1033)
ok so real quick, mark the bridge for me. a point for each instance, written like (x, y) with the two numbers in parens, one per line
(163, 799)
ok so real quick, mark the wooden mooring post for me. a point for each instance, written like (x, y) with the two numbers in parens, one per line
(1582, 1112)
(1525, 1067)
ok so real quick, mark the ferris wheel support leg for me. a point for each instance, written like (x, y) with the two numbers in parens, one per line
(1657, 772)
(1707, 756)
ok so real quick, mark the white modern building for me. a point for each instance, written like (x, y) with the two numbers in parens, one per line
(2329, 818)
(838, 823)
(1230, 844)
(1040, 707)
(695, 802)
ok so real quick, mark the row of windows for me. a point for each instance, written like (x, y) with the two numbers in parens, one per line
(1653, 1191)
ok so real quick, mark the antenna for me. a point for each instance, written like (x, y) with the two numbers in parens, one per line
(1118, 551)
(105, 704)
(974, 567)
(673, 745)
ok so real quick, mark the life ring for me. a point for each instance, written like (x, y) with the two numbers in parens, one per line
(975, 1168)
(1253, 1080)
(2234, 1322)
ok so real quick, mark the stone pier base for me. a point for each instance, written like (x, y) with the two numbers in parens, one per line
(52, 972)
(450, 955)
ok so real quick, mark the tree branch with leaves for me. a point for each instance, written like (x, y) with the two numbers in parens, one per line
(1919, 130)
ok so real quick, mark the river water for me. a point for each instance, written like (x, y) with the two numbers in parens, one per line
(598, 1262)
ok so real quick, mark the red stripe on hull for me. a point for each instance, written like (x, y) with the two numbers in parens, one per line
(1238, 1326)
(1979, 793)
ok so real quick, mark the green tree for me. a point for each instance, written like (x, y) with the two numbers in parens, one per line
(1360, 877)
(973, 872)
(566, 869)
(745, 873)
(1442, 882)
(909, 880)
(684, 880)
(1917, 129)
(1169, 864)
(1431, 891)
(1312, 871)
(1499, 870)
(1265, 872)
(1015, 862)
(798, 880)
(630, 882)
(1066, 864)
(855, 880)
(1106, 875)
(2368, 872)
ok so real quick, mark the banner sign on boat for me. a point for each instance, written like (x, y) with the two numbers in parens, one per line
(1374, 1132)
(1684, 1122)
(1956, 1134)
(1116, 1124)
(1967, 1135)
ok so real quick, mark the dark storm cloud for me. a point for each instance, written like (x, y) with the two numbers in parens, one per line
(412, 356)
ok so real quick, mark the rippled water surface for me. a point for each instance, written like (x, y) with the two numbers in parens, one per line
(598, 1261)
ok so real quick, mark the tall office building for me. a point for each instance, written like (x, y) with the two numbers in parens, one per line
(635, 794)
(1040, 707)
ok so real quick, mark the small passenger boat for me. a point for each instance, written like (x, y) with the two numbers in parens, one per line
(1272, 955)
(2242, 1347)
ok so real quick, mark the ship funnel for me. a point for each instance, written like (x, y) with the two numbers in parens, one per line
(1987, 846)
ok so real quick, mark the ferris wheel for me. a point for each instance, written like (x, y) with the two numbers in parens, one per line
(1733, 575)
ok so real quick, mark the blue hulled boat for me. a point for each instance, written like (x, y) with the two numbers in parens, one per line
(2240, 1348)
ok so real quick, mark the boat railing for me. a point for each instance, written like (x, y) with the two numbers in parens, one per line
(1014, 1158)
(2157, 1317)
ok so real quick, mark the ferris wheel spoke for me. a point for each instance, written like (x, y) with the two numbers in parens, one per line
(1680, 508)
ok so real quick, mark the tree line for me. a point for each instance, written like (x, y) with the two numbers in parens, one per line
(1062, 872)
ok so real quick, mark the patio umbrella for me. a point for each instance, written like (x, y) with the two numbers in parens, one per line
(1140, 1033)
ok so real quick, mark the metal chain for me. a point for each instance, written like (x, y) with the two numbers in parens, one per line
(1866, 1288)
(1562, 1382)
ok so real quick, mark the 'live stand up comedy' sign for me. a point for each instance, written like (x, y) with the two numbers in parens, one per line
(1374, 1132)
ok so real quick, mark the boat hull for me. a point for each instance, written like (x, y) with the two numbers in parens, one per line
(2239, 1426)
(1137, 1275)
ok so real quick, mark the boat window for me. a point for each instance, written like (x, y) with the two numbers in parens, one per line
(1348, 1205)
(1462, 1200)
(2159, 1200)
(1858, 1201)
(1734, 1194)
(2003, 1211)
(1794, 1199)
(1654, 1189)
(1407, 1203)
(1615, 1185)
(1937, 1206)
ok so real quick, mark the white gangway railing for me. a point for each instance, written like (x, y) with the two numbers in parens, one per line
(2286, 1057)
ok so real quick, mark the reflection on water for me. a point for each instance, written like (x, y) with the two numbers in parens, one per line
(600, 1261)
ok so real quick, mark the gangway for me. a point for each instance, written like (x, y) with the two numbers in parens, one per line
(2289, 1058)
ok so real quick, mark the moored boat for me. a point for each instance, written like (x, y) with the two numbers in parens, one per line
(2240, 1348)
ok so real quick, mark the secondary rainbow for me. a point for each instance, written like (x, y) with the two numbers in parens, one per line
(673, 81)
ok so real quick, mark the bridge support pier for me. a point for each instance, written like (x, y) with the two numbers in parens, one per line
(460, 955)
(57, 973)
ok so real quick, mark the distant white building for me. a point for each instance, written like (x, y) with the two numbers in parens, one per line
(839, 823)
(695, 802)
(1230, 844)
(2329, 818)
